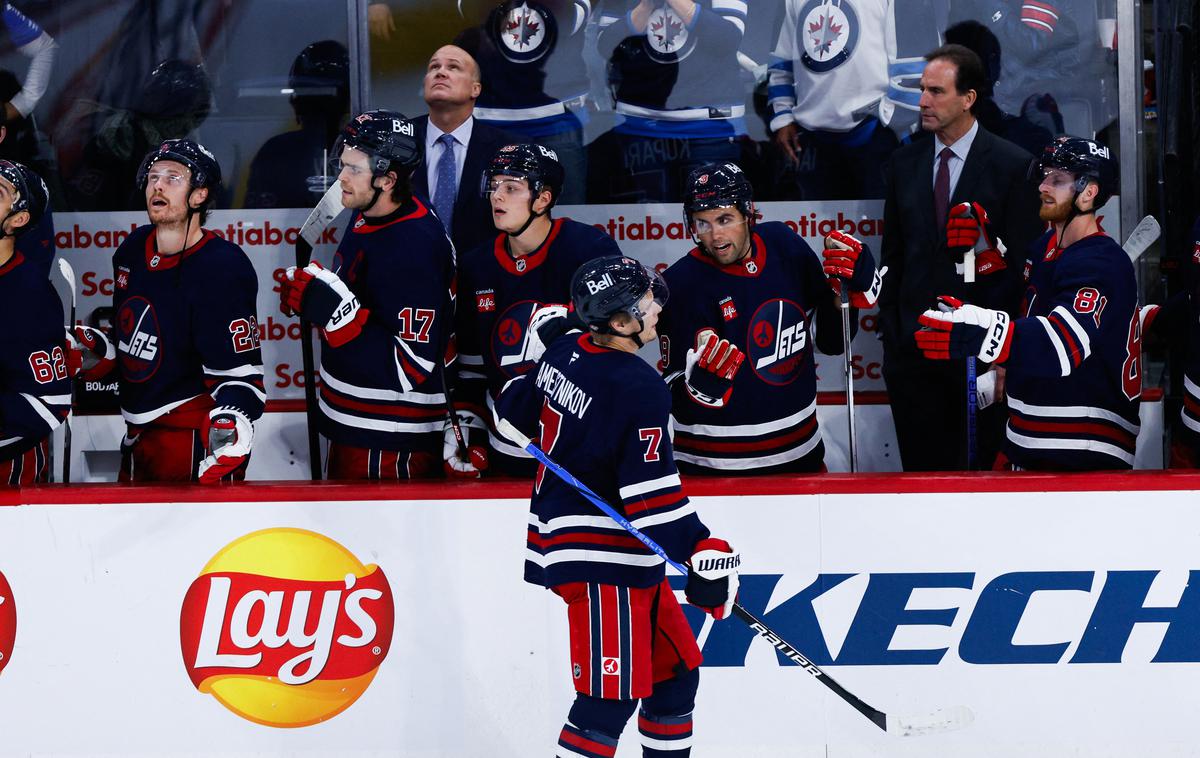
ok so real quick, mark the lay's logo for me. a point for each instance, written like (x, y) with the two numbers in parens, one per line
(8, 622)
(285, 627)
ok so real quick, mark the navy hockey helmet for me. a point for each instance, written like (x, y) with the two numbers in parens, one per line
(536, 164)
(611, 285)
(30, 196)
(320, 78)
(1085, 159)
(176, 89)
(387, 137)
(206, 172)
(718, 185)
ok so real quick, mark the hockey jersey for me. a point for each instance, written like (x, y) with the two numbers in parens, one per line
(35, 393)
(676, 79)
(500, 293)
(1190, 414)
(766, 304)
(186, 329)
(1074, 367)
(601, 414)
(384, 389)
(530, 56)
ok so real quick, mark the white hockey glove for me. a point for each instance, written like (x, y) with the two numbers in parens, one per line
(320, 296)
(959, 330)
(712, 582)
(850, 261)
(710, 368)
(230, 433)
(547, 324)
(90, 354)
(476, 461)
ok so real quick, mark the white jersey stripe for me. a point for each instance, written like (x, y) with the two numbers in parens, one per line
(369, 393)
(652, 485)
(1056, 443)
(145, 418)
(1080, 334)
(1070, 411)
(379, 425)
(246, 370)
(747, 430)
(740, 464)
(1064, 365)
(592, 556)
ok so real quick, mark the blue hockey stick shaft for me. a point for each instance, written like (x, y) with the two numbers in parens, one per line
(972, 412)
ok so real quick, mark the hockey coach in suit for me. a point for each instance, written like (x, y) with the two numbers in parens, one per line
(451, 132)
(931, 184)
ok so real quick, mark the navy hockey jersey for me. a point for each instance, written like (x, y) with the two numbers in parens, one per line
(677, 79)
(1074, 367)
(186, 328)
(35, 394)
(765, 304)
(601, 414)
(530, 56)
(500, 293)
(384, 388)
(1190, 413)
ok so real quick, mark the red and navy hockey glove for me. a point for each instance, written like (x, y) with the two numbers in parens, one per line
(324, 299)
(848, 260)
(230, 433)
(474, 433)
(89, 353)
(966, 224)
(959, 330)
(712, 582)
(710, 369)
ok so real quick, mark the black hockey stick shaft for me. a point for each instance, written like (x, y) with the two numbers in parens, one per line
(303, 256)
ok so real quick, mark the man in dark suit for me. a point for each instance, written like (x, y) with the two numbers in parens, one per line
(456, 148)
(927, 183)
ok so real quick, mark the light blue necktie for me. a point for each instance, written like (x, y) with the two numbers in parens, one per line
(447, 184)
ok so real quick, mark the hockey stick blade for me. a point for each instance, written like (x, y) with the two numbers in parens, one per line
(69, 274)
(904, 726)
(327, 210)
(1142, 237)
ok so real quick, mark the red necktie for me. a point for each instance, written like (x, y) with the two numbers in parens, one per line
(941, 188)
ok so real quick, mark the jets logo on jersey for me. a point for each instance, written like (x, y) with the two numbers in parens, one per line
(777, 336)
(510, 339)
(829, 34)
(667, 38)
(138, 339)
(524, 32)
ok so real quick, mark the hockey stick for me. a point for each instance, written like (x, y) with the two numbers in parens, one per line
(1143, 236)
(848, 351)
(972, 368)
(943, 720)
(69, 274)
(326, 211)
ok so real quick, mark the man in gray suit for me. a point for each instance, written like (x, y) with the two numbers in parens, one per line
(929, 182)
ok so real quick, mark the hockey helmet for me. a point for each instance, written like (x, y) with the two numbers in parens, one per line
(536, 164)
(613, 284)
(387, 137)
(31, 193)
(1085, 159)
(206, 172)
(320, 78)
(717, 185)
(176, 89)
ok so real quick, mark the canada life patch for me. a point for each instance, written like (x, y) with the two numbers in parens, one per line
(485, 301)
(728, 309)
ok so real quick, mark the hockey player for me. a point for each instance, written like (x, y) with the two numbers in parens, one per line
(186, 330)
(528, 265)
(1074, 360)
(35, 393)
(384, 309)
(761, 288)
(603, 414)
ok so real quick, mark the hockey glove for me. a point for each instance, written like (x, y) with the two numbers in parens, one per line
(959, 330)
(710, 369)
(323, 298)
(850, 261)
(474, 431)
(230, 433)
(547, 324)
(966, 225)
(712, 582)
(89, 353)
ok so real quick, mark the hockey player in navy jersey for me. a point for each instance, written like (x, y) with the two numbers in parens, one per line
(603, 414)
(35, 393)
(529, 264)
(763, 289)
(384, 309)
(1074, 359)
(186, 330)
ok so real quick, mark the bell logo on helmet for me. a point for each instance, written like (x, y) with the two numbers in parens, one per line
(548, 152)
(402, 127)
(1098, 150)
(599, 285)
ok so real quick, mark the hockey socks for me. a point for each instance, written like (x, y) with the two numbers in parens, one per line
(574, 742)
(665, 736)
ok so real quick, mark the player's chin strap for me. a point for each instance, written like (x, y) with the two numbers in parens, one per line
(1075, 213)
(533, 216)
